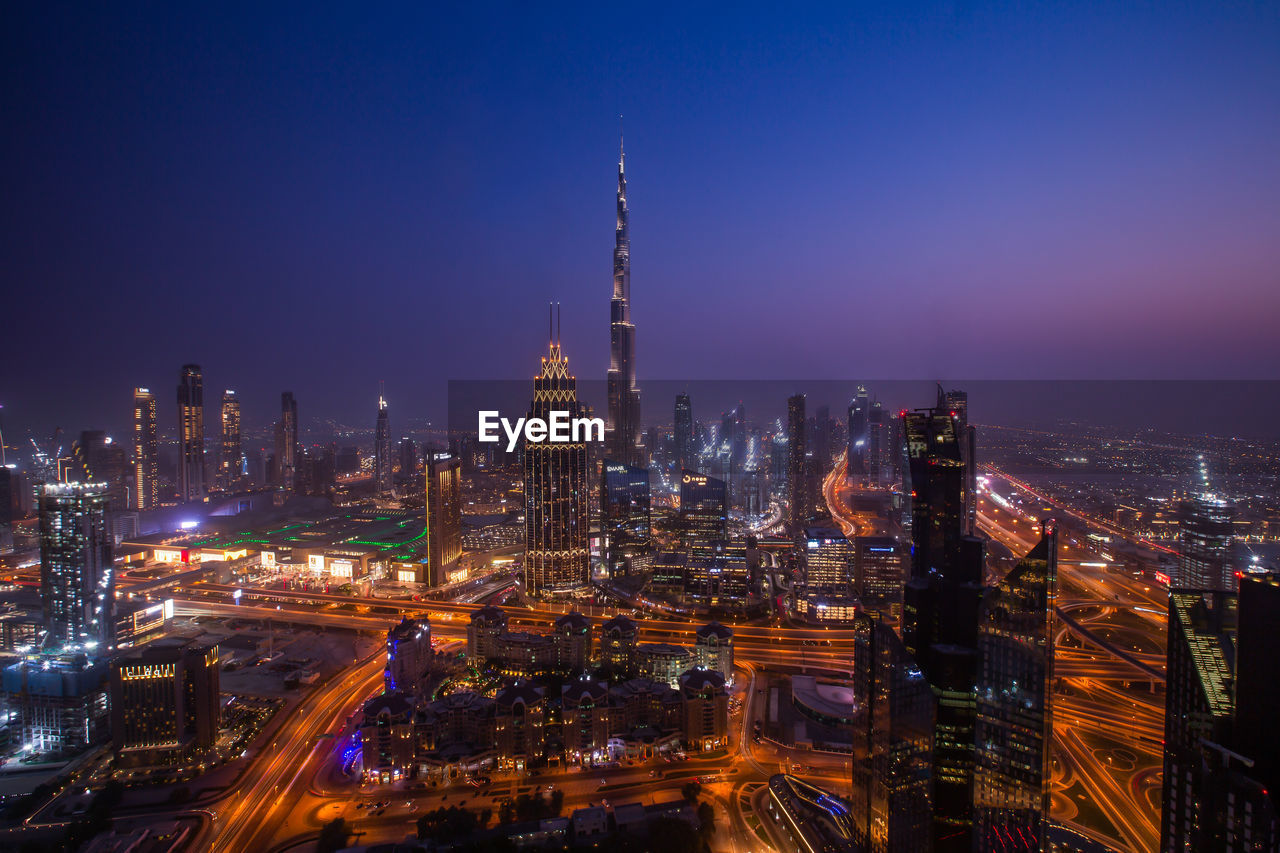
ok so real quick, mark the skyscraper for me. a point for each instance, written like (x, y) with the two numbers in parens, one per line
(287, 443)
(624, 517)
(557, 560)
(77, 579)
(191, 434)
(1221, 747)
(858, 421)
(624, 396)
(940, 614)
(797, 470)
(146, 454)
(443, 515)
(382, 450)
(684, 432)
(165, 702)
(704, 514)
(956, 402)
(893, 731)
(878, 564)
(97, 458)
(877, 444)
(1015, 708)
(1205, 561)
(231, 463)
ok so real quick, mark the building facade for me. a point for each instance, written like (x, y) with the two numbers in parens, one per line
(191, 486)
(77, 577)
(624, 396)
(146, 451)
(557, 560)
(443, 512)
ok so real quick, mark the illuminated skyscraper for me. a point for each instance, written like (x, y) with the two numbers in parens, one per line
(1221, 745)
(877, 444)
(287, 443)
(382, 450)
(858, 438)
(191, 434)
(557, 560)
(624, 517)
(704, 514)
(443, 516)
(684, 432)
(940, 614)
(165, 702)
(826, 562)
(231, 463)
(797, 470)
(77, 579)
(878, 569)
(146, 454)
(1015, 708)
(624, 396)
(1205, 561)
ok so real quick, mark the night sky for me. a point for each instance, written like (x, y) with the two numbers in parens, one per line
(319, 199)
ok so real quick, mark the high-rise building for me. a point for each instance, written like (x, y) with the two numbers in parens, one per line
(1015, 708)
(165, 703)
(798, 497)
(408, 655)
(382, 450)
(191, 434)
(893, 732)
(956, 402)
(858, 437)
(683, 432)
(77, 578)
(96, 458)
(704, 514)
(407, 450)
(58, 702)
(557, 558)
(1221, 748)
(231, 462)
(624, 396)
(1205, 561)
(287, 449)
(826, 562)
(146, 452)
(443, 516)
(877, 445)
(940, 614)
(624, 517)
(878, 572)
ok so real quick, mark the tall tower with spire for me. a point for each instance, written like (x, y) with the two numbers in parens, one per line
(382, 448)
(557, 561)
(624, 397)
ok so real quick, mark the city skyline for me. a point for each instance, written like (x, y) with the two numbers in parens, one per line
(950, 522)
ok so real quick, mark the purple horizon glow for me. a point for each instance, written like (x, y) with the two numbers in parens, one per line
(318, 202)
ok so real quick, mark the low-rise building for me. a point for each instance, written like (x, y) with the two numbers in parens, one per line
(387, 738)
(713, 650)
(663, 662)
